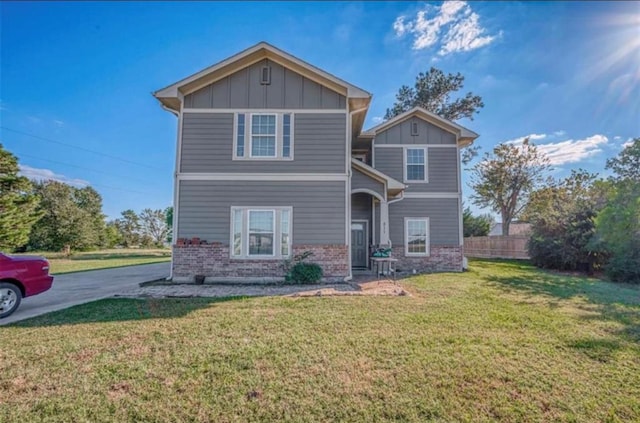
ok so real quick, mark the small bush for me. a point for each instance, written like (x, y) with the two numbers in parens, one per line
(303, 273)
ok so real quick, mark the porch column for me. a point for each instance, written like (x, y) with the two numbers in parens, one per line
(384, 223)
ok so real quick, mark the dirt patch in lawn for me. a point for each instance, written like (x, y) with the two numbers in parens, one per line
(382, 287)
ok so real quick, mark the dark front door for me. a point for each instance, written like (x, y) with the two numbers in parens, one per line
(358, 244)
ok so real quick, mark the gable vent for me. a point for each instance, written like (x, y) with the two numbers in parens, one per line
(265, 75)
(414, 128)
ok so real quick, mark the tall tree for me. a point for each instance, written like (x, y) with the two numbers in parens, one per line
(129, 227)
(504, 180)
(432, 91)
(627, 165)
(618, 225)
(154, 225)
(18, 204)
(70, 218)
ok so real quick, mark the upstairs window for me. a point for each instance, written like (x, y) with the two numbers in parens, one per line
(415, 169)
(263, 136)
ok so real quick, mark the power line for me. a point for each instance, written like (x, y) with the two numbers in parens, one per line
(79, 148)
(83, 168)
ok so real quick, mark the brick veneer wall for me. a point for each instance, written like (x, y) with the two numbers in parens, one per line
(213, 261)
(441, 259)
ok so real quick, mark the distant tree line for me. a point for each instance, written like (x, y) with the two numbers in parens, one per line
(54, 216)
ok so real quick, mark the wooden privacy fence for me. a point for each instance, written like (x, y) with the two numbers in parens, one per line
(510, 246)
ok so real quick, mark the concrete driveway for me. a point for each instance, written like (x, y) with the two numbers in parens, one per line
(83, 287)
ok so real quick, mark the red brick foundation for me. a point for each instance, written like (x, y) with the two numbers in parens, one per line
(213, 261)
(441, 259)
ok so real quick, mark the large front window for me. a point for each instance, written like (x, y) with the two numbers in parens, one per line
(416, 239)
(261, 233)
(415, 165)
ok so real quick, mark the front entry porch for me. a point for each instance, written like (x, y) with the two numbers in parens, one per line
(371, 192)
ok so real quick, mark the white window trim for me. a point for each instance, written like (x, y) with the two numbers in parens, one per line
(248, 135)
(277, 234)
(406, 237)
(404, 165)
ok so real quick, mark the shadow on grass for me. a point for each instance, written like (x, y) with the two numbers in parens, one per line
(605, 301)
(115, 257)
(123, 309)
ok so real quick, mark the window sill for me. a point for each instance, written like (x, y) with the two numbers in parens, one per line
(265, 258)
(264, 159)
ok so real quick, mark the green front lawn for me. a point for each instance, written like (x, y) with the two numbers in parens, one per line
(502, 342)
(104, 259)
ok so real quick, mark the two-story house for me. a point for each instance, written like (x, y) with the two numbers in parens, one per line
(272, 161)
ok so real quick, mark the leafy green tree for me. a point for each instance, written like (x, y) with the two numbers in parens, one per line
(129, 228)
(503, 180)
(432, 91)
(18, 204)
(112, 235)
(618, 225)
(154, 226)
(476, 225)
(562, 218)
(71, 218)
(169, 214)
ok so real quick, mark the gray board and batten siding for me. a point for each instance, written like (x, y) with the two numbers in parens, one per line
(318, 208)
(443, 214)
(243, 90)
(427, 134)
(360, 180)
(442, 168)
(319, 141)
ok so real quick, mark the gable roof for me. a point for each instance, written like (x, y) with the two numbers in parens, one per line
(465, 136)
(171, 96)
(392, 184)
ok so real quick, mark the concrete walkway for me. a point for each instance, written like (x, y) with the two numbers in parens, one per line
(83, 287)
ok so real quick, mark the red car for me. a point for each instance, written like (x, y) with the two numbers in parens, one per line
(21, 276)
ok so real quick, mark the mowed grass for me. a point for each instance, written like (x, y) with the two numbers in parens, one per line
(503, 342)
(104, 259)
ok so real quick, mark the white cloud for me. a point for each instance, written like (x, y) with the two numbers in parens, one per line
(532, 137)
(617, 138)
(377, 119)
(628, 143)
(570, 151)
(560, 133)
(58, 123)
(38, 174)
(453, 24)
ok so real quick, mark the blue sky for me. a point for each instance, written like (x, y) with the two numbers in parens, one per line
(81, 74)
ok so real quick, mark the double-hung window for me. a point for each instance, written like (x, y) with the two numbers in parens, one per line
(263, 136)
(416, 236)
(415, 168)
(261, 232)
